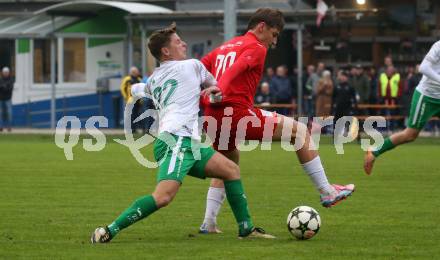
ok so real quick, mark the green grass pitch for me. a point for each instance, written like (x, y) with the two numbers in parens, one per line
(49, 206)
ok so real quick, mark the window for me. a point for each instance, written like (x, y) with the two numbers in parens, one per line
(7, 55)
(74, 60)
(41, 61)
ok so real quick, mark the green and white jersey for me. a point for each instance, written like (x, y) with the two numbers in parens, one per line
(427, 86)
(175, 89)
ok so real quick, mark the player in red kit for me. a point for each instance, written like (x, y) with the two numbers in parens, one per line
(238, 66)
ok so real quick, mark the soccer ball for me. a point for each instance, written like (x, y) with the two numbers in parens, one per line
(303, 222)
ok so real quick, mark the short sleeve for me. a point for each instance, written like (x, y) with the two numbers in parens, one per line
(205, 76)
(207, 60)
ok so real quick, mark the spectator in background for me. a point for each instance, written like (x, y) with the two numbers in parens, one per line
(127, 82)
(320, 69)
(324, 94)
(409, 73)
(413, 81)
(344, 100)
(336, 76)
(263, 96)
(6, 87)
(352, 73)
(390, 89)
(359, 81)
(312, 81)
(406, 92)
(281, 89)
(323, 97)
(268, 75)
(294, 83)
(372, 79)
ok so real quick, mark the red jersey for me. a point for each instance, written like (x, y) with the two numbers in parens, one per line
(237, 66)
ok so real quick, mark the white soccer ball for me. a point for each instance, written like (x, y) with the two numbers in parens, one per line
(303, 222)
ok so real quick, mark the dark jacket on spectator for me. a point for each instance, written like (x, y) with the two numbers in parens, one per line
(344, 100)
(281, 89)
(362, 86)
(412, 83)
(263, 98)
(373, 89)
(6, 86)
(408, 92)
(294, 83)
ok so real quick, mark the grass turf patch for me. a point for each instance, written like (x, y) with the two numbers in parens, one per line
(50, 206)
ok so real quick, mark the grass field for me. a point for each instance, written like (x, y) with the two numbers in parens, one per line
(49, 206)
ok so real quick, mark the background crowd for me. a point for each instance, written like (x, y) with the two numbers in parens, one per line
(352, 90)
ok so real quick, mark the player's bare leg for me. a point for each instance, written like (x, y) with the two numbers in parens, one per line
(234, 156)
(402, 137)
(296, 133)
(215, 197)
(369, 159)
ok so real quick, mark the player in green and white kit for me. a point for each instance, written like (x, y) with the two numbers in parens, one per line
(175, 90)
(424, 105)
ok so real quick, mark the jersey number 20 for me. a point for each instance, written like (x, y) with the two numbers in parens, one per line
(222, 62)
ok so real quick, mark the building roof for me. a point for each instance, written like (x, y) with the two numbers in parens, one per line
(88, 6)
(55, 17)
(33, 26)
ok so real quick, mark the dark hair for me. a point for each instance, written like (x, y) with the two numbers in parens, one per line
(159, 39)
(270, 16)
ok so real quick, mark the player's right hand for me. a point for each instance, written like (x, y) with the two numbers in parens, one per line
(214, 90)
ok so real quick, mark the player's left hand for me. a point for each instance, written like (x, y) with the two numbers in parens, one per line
(138, 90)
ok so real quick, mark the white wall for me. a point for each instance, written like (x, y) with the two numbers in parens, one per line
(97, 54)
(23, 70)
(25, 89)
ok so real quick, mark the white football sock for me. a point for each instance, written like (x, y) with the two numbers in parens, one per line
(214, 201)
(317, 174)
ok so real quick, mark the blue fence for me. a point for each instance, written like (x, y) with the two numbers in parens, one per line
(37, 114)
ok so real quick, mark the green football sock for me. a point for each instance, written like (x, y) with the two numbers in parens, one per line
(387, 145)
(237, 200)
(141, 208)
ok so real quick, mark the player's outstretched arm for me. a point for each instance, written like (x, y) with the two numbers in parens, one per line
(139, 90)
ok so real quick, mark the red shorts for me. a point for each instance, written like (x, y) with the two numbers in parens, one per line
(227, 126)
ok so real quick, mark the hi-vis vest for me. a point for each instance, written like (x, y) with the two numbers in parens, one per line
(394, 84)
(126, 87)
